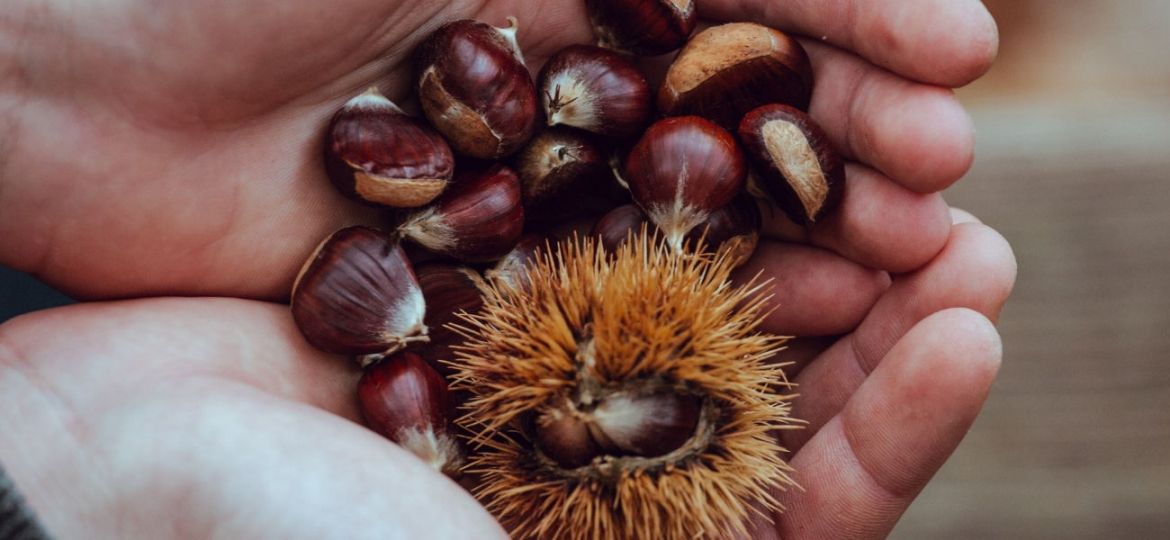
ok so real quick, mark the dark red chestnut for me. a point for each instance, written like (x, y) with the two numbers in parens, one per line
(405, 400)
(376, 153)
(475, 88)
(733, 229)
(645, 424)
(795, 161)
(642, 27)
(512, 269)
(596, 90)
(557, 169)
(357, 295)
(478, 219)
(681, 170)
(565, 439)
(728, 70)
(619, 225)
(449, 290)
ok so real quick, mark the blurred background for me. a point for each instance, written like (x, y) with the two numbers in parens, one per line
(1073, 168)
(1073, 154)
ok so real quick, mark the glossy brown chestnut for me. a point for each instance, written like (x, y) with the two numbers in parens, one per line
(728, 70)
(405, 400)
(478, 219)
(376, 153)
(475, 88)
(619, 225)
(512, 269)
(565, 439)
(357, 295)
(681, 170)
(557, 169)
(648, 425)
(796, 164)
(642, 27)
(733, 229)
(449, 290)
(596, 90)
(622, 423)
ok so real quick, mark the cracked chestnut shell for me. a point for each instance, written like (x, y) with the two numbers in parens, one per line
(642, 27)
(378, 154)
(595, 89)
(796, 164)
(727, 70)
(357, 295)
(475, 88)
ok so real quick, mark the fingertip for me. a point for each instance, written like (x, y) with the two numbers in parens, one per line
(952, 42)
(937, 144)
(988, 256)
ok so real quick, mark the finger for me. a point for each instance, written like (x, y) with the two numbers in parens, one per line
(944, 42)
(919, 135)
(975, 271)
(861, 471)
(813, 292)
(879, 224)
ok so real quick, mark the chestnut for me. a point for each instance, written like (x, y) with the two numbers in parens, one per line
(728, 70)
(642, 27)
(357, 295)
(796, 164)
(596, 90)
(448, 290)
(478, 219)
(645, 424)
(405, 400)
(681, 170)
(512, 269)
(376, 153)
(630, 422)
(557, 169)
(618, 225)
(733, 229)
(475, 88)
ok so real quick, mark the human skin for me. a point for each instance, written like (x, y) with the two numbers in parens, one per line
(162, 159)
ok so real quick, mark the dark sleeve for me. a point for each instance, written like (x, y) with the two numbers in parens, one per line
(17, 521)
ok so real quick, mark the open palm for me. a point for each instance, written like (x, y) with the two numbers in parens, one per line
(173, 149)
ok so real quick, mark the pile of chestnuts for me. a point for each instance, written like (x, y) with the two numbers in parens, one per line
(500, 165)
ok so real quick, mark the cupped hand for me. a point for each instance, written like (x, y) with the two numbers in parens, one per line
(174, 149)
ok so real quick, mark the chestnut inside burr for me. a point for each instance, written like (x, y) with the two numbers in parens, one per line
(637, 425)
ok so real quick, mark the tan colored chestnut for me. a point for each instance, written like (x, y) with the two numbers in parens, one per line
(727, 70)
(405, 400)
(797, 165)
(357, 295)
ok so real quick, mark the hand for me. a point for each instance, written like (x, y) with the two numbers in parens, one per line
(173, 149)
